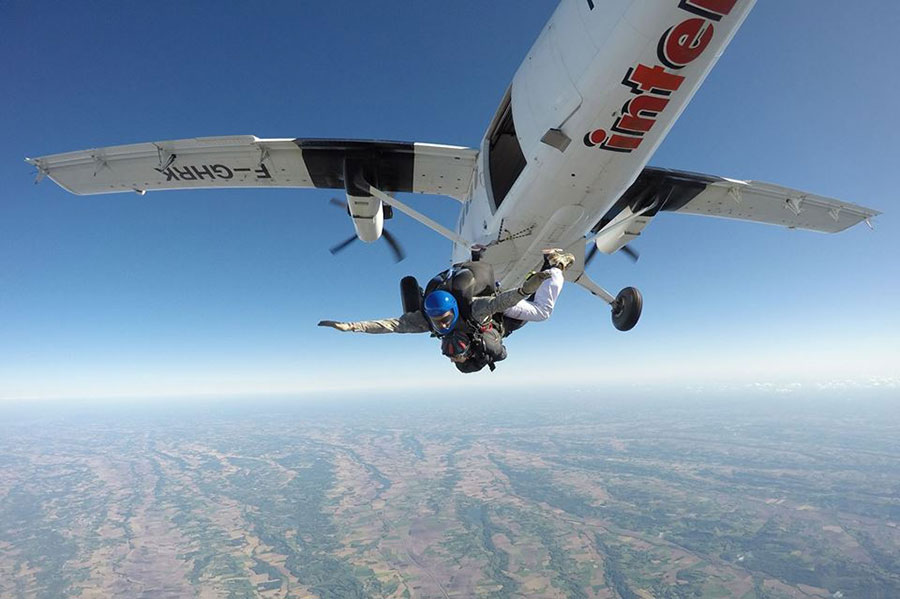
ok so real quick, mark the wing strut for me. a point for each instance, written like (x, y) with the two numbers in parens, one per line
(431, 224)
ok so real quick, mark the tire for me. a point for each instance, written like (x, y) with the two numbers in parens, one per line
(626, 310)
(410, 294)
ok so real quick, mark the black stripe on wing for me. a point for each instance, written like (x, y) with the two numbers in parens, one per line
(672, 189)
(388, 165)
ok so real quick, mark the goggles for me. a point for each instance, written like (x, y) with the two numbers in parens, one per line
(443, 322)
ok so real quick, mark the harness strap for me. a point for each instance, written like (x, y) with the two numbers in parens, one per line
(478, 340)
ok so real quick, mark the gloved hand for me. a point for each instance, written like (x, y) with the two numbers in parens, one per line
(533, 281)
(341, 326)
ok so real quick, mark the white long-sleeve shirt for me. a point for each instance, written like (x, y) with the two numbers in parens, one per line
(544, 300)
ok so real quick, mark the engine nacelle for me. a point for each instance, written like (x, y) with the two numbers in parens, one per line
(620, 231)
(368, 217)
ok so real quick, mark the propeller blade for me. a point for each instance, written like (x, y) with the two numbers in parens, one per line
(399, 254)
(630, 252)
(396, 248)
(340, 204)
(339, 247)
(592, 253)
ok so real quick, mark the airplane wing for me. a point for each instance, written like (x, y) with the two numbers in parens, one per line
(691, 193)
(248, 161)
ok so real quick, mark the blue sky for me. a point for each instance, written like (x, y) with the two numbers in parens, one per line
(214, 292)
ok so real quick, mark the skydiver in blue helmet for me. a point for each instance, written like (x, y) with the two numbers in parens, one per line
(460, 301)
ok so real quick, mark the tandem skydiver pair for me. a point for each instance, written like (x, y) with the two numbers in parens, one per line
(463, 307)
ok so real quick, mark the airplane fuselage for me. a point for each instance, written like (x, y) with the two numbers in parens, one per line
(593, 99)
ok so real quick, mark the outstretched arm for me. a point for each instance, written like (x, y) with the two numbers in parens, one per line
(411, 322)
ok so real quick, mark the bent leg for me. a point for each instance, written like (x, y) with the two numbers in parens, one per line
(545, 297)
(511, 325)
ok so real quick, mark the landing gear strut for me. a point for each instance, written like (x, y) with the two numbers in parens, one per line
(626, 308)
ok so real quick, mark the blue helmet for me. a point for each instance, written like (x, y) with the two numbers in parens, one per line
(442, 311)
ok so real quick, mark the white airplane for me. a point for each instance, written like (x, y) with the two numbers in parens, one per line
(562, 164)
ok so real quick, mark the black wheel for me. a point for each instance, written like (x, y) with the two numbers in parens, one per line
(626, 310)
(410, 294)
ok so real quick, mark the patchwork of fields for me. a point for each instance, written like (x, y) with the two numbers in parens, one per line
(586, 498)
